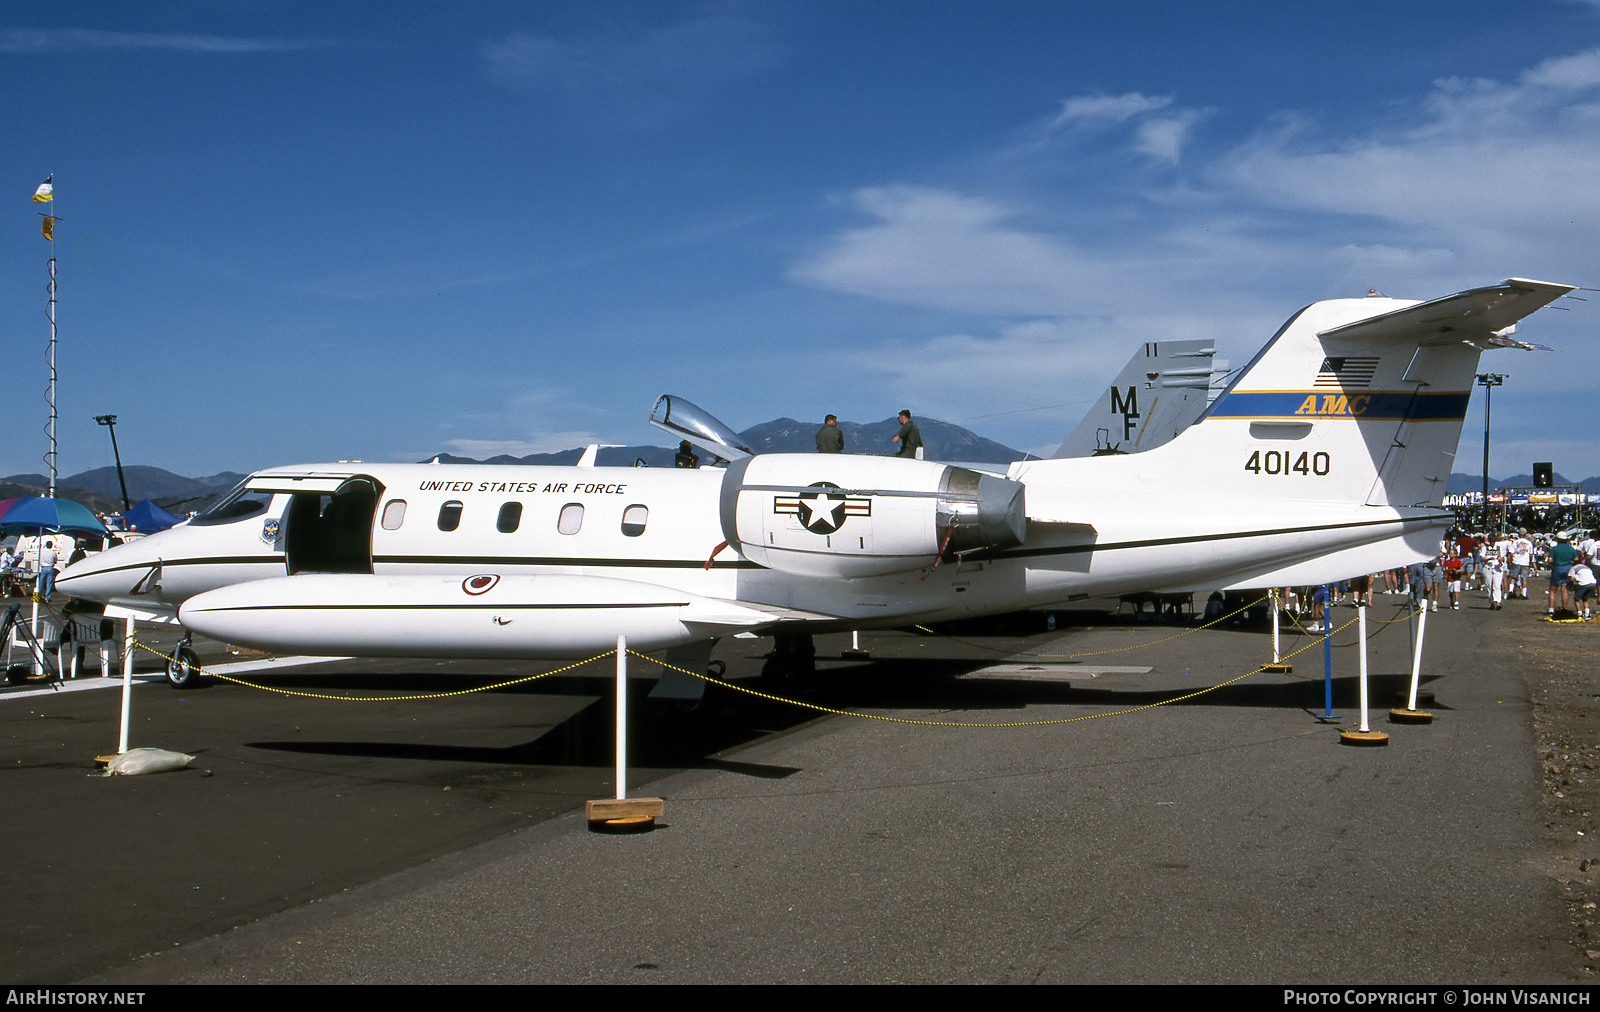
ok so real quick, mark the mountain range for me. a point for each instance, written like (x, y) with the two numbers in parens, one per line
(942, 441)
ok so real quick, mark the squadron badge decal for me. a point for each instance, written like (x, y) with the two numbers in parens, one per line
(269, 532)
(822, 511)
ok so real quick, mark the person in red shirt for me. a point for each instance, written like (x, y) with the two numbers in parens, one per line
(1467, 548)
(1452, 576)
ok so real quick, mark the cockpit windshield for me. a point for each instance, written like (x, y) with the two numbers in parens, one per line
(688, 420)
(239, 504)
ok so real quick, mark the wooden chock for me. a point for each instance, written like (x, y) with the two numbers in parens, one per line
(623, 814)
(1400, 715)
(1363, 738)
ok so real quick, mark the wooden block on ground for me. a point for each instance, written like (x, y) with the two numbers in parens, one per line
(623, 808)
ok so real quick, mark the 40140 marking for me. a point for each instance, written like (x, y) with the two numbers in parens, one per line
(1285, 462)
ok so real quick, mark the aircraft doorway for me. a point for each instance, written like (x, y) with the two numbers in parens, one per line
(332, 532)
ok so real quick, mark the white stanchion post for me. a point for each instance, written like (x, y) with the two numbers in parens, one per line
(622, 717)
(36, 655)
(1416, 658)
(621, 813)
(1361, 625)
(1272, 599)
(127, 682)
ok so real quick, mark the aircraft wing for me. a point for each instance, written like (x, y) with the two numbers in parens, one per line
(1476, 314)
(168, 615)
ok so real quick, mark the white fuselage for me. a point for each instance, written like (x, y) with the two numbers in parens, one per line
(1109, 526)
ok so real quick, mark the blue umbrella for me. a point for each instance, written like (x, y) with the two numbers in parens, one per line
(37, 514)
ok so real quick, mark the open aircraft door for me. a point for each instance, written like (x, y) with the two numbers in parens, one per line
(328, 525)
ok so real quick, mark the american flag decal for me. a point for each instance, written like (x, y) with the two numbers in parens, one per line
(1351, 372)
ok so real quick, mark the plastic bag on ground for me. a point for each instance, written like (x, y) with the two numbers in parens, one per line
(138, 761)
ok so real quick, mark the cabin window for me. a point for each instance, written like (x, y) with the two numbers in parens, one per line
(510, 518)
(633, 520)
(571, 518)
(394, 514)
(450, 516)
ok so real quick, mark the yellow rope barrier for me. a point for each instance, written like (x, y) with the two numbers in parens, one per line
(170, 659)
(1096, 653)
(378, 699)
(948, 723)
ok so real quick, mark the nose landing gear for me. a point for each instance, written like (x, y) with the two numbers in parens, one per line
(183, 668)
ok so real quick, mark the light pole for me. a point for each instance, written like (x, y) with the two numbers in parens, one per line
(110, 422)
(1487, 380)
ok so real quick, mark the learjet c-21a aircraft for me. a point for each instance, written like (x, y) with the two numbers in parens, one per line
(1327, 457)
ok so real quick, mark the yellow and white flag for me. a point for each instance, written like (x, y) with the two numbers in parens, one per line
(46, 191)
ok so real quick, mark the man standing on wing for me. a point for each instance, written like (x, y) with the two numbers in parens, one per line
(829, 438)
(909, 437)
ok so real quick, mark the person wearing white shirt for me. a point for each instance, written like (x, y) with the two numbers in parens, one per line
(1583, 583)
(48, 558)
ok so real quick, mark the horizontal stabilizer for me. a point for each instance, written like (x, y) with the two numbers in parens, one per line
(1473, 315)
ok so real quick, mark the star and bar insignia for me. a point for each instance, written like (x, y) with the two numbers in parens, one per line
(823, 511)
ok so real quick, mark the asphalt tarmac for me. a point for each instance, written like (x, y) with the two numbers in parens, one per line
(1227, 837)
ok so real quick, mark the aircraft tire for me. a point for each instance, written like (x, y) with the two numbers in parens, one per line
(792, 665)
(183, 671)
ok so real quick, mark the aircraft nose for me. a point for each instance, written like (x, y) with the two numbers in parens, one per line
(102, 577)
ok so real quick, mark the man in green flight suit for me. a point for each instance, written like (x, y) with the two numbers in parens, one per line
(909, 438)
(829, 438)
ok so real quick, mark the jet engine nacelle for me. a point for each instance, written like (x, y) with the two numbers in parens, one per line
(845, 516)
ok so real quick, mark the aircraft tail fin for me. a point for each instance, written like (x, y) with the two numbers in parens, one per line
(1364, 399)
(1158, 394)
(1352, 401)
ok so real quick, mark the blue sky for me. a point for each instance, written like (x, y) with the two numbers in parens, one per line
(300, 231)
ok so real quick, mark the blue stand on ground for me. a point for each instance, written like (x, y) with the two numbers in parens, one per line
(1327, 655)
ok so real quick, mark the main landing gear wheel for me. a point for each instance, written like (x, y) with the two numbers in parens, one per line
(792, 665)
(183, 669)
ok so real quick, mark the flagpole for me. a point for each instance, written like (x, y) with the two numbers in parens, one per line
(50, 397)
(45, 194)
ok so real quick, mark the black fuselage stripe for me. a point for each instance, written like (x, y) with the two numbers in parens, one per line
(494, 561)
(482, 606)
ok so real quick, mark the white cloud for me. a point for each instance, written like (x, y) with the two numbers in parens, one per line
(1108, 108)
(938, 248)
(1162, 137)
(1482, 165)
(1469, 183)
(648, 65)
(68, 40)
(1036, 378)
(1567, 73)
(1158, 136)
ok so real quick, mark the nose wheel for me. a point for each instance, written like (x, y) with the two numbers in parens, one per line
(183, 668)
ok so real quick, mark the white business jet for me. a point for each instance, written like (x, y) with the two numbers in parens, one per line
(1327, 456)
